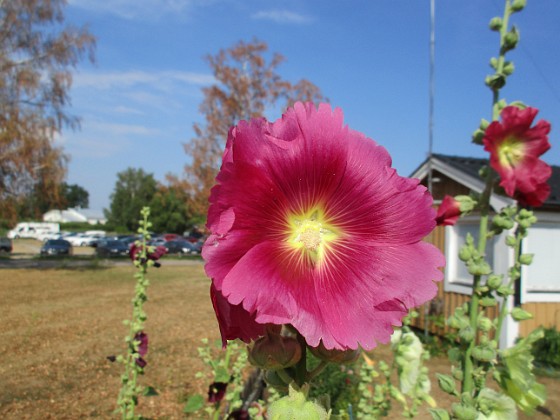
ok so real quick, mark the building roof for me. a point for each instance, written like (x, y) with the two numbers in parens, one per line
(469, 167)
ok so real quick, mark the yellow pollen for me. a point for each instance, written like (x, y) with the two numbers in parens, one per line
(310, 238)
(511, 152)
(312, 234)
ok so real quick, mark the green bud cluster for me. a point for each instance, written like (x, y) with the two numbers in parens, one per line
(296, 406)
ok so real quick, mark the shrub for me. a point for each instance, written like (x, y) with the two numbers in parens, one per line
(547, 349)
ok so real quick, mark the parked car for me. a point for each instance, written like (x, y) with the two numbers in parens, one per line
(181, 246)
(171, 237)
(56, 247)
(157, 241)
(6, 245)
(111, 248)
(82, 239)
(129, 241)
(49, 235)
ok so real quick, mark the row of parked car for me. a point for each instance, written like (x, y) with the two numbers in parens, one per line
(114, 246)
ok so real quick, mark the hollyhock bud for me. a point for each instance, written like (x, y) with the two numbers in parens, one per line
(484, 324)
(446, 383)
(526, 259)
(496, 24)
(334, 355)
(274, 351)
(518, 5)
(511, 39)
(464, 412)
(296, 406)
(449, 211)
(494, 281)
(217, 391)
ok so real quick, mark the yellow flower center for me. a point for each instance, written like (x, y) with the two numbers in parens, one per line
(511, 152)
(311, 234)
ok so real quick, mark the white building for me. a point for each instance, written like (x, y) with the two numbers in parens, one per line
(93, 217)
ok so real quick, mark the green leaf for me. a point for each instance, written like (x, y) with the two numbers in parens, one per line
(221, 374)
(515, 374)
(194, 403)
(495, 406)
(439, 414)
(150, 391)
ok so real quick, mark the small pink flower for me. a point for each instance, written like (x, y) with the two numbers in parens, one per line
(448, 212)
(515, 148)
(158, 252)
(217, 391)
(310, 226)
(142, 339)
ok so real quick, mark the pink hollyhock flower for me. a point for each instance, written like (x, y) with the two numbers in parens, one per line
(217, 391)
(448, 212)
(515, 148)
(310, 226)
(142, 339)
(158, 252)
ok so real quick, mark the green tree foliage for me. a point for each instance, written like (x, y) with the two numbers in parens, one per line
(169, 210)
(37, 54)
(134, 189)
(74, 195)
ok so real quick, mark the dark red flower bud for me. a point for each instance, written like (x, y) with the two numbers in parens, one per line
(216, 392)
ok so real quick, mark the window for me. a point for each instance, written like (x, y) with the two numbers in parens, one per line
(543, 274)
(457, 277)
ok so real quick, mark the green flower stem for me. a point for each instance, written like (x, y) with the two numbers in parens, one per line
(301, 366)
(468, 365)
(501, 59)
(285, 376)
(320, 367)
(128, 394)
(504, 308)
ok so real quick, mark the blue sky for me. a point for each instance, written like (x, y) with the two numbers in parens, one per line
(138, 102)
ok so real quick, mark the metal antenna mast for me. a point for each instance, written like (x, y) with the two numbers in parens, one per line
(430, 123)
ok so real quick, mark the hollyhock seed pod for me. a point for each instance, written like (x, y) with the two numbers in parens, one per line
(273, 351)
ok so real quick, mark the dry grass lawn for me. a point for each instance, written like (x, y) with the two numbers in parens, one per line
(59, 325)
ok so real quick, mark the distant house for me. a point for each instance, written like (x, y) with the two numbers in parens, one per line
(539, 288)
(93, 217)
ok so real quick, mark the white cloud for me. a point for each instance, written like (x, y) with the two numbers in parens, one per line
(282, 16)
(110, 80)
(139, 9)
(112, 130)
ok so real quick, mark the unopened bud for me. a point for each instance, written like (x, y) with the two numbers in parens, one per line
(526, 259)
(446, 383)
(511, 39)
(494, 281)
(518, 5)
(484, 324)
(496, 24)
(464, 412)
(274, 351)
(508, 68)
